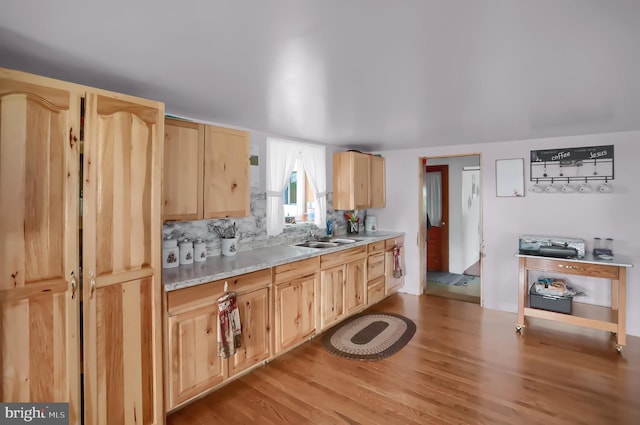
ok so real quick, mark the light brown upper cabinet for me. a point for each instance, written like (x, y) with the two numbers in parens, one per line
(358, 181)
(40, 262)
(206, 171)
(183, 170)
(377, 178)
(226, 172)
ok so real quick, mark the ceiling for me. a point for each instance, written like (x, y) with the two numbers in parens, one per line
(368, 74)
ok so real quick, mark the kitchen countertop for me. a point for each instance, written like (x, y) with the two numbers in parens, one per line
(617, 260)
(221, 267)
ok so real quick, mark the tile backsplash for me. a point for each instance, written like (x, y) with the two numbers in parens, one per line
(252, 230)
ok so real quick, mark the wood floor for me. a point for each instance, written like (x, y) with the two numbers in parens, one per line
(465, 365)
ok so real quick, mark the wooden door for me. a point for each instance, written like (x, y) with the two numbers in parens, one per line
(356, 285)
(39, 193)
(255, 319)
(193, 349)
(295, 313)
(377, 184)
(438, 234)
(332, 295)
(121, 257)
(182, 175)
(226, 173)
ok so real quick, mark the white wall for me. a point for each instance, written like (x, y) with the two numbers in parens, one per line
(581, 215)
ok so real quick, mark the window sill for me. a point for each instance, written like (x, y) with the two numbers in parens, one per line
(298, 224)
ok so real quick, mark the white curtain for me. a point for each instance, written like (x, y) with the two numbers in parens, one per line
(315, 166)
(434, 197)
(281, 159)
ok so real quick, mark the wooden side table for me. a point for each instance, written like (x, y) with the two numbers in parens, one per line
(612, 319)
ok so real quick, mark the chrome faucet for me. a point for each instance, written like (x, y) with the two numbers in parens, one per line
(311, 235)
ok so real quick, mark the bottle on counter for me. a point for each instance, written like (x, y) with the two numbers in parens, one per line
(170, 253)
(199, 250)
(186, 252)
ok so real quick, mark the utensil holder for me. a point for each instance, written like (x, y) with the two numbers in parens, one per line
(353, 227)
(229, 246)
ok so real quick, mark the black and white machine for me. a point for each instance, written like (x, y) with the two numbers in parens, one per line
(552, 246)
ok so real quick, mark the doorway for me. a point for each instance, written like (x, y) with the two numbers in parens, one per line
(450, 227)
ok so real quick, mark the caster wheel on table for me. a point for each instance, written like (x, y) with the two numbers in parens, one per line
(519, 328)
(618, 349)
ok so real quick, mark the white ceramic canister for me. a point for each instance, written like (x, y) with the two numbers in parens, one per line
(370, 225)
(199, 250)
(170, 254)
(186, 252)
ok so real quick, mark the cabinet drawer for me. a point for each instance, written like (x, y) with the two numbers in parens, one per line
(375, 266)
(390, 243)
(208, 293)
(295, 270)
(375, 291)
(571, 267)
(342, 257)
(374, 247)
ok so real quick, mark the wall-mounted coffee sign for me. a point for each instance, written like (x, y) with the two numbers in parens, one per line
(571, 164)
(573, 154)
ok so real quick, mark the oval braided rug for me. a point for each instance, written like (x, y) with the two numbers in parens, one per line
(369, 336)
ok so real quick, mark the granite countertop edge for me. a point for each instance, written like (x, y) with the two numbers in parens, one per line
(220, 267)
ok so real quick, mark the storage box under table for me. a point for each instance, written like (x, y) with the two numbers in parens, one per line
(550, 302)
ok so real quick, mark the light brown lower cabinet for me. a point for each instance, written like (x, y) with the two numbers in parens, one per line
(392, 284)
(342, 285)
(193, 364)
(332, 296)
(295, 302)
(375, 273)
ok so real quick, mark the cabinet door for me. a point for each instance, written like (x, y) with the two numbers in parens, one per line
(193, 349)
(361, 180)
(377, 183)
(183, 170)
(295, 311)
(332, 296)
(392, 284)
(121, 257)
(226, 173)
(350, 180)
(256, 330)
(356, 285)
(39, 341)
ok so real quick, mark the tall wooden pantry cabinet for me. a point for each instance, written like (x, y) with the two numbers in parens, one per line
(80, 292)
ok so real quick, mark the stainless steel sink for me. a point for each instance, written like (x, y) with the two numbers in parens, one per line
(318, 244)
(326, 242)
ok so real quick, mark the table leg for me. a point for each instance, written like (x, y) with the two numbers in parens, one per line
(614, 294)
(622, 306)
(522, 292)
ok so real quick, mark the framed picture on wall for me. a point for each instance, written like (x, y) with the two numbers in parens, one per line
(510, 177)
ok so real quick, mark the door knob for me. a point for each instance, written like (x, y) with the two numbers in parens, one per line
(442, 223)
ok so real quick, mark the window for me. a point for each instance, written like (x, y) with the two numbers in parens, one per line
(296, 184)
